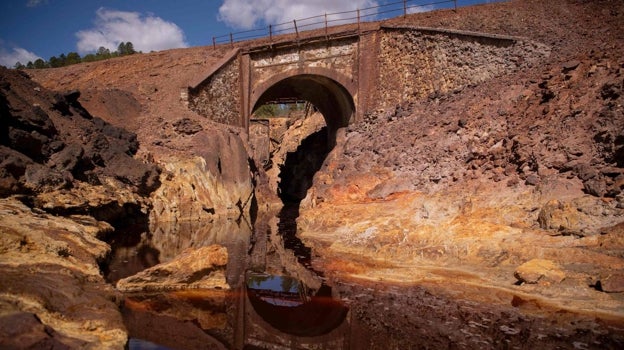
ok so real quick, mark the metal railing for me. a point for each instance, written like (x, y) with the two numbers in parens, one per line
(369, 14)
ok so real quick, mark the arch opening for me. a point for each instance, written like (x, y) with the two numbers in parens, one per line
(329, 97)
(302, 157)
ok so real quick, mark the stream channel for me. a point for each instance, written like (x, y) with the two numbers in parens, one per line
(276, 298)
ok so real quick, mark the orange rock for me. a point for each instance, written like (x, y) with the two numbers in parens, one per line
(539, 271)
(201, 268)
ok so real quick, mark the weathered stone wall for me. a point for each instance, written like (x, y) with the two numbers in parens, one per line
(415, 63)
(218, 97)
(337, 55)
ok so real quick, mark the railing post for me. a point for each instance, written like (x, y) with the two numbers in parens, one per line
(271, 33)
(455, 1)
(296, 30)
(214, 43)
(358, 15)
(404, 8)
(326, 36)
(231, 40)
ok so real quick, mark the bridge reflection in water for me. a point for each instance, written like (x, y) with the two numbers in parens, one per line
(294, 310)
(270, 304)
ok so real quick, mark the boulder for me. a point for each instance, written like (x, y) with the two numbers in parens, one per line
(194, 268)
(582, 216)
(539, 271)
(613, 283)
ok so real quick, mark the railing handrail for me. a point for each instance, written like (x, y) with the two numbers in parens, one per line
(297, 24)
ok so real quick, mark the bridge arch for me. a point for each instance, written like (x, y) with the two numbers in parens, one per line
(329, 91)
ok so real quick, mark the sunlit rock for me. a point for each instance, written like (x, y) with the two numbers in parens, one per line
(614, 283)
(200, 268)
(539, 271)
(214, 179)
(51, 290)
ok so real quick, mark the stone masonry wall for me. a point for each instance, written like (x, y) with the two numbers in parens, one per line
(218, 97)
(416, 63)
(338, 55)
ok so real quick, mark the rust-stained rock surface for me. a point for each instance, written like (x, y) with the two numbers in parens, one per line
(513, 184)
(51, 290)
(200, 268)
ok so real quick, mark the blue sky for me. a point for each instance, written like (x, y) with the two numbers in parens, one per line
(31, 29)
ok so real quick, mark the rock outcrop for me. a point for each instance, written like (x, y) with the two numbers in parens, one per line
(51, 291)
(65, 177)
(51, 147)
(480, 180)
(212, 179)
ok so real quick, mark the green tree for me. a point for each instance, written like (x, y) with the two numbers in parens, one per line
(130, 48)
(39, 63)
(103, 53)
(54, 62)
(62, 60)
(267, 111)
(19, 65)
(72, 58)
(89, 58)
(121, 49)
(30, 65)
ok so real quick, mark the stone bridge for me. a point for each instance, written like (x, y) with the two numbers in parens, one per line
(348, 75)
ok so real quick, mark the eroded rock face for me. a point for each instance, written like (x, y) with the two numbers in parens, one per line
(213, 178)
(51, 290)
(49, 142)
(472, 184)
(59, 159)
(194, 268)
(291, 136)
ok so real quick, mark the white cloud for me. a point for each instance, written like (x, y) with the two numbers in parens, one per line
(420, 9)
(9, 58)
(247, 14)
(147, 33)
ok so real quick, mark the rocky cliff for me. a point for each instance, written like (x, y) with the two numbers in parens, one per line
(515, 183)
(58, 159)
(69, 178)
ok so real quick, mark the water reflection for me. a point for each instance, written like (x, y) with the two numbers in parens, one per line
(276, 303)
(291, 307)
(273, 297)
(139, 248)
(277, 290)
(140, 344)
